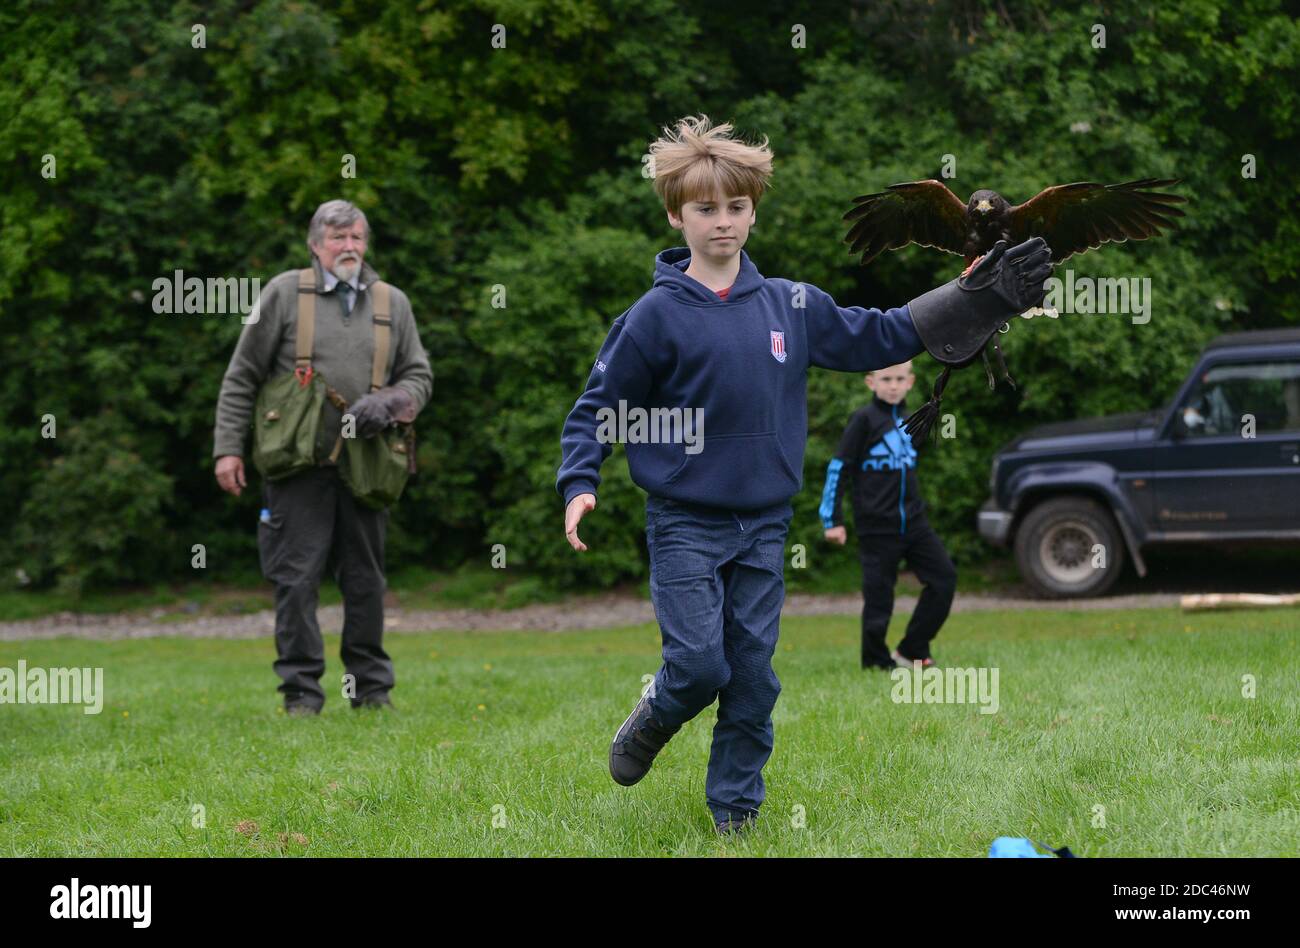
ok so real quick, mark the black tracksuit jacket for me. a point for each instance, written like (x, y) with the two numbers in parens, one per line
(875, 464)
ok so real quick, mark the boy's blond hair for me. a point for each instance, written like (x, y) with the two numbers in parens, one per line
(695, 162)
(908, 363)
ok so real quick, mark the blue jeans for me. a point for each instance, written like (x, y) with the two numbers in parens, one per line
(717, 582)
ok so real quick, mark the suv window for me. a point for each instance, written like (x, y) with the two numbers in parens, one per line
(1270, 391)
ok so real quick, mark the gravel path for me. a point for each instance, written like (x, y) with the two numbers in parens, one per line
(586, 613)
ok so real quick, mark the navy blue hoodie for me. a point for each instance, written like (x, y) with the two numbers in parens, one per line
(743, 362)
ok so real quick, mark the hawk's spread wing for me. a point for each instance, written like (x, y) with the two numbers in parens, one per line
(921, 212)
(1074, 218)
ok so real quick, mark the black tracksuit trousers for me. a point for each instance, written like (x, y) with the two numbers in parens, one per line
(314, 522)
(880, 555)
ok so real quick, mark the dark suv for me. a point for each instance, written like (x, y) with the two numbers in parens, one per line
(1220, 462)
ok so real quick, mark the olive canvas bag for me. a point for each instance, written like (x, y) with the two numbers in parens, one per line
(288, 412)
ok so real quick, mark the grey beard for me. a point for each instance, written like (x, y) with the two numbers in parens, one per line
(346, 271)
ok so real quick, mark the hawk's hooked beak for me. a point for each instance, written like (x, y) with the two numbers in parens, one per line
(984, 207)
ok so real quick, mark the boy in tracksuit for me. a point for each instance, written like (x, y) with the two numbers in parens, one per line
(875, 464)
(728, 351)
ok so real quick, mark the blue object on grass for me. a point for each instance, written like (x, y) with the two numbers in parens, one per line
(1011, 847)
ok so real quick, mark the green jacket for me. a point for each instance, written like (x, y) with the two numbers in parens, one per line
(342, 352)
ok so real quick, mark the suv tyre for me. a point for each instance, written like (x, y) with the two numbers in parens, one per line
(1056, 548)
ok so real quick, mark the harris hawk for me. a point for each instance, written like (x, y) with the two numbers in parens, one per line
(1071, 218)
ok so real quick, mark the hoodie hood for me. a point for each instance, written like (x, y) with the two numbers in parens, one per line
(670, 273)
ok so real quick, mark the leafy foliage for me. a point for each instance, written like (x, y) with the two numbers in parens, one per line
(521, 168)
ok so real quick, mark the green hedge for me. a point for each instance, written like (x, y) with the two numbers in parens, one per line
(521, 167)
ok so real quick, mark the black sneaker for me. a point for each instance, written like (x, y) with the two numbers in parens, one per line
(373, 702)
(637, 742)
(735, 825)
(300, 709)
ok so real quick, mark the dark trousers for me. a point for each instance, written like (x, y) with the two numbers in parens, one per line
(880, 555)
(315, 523)
(717, 579)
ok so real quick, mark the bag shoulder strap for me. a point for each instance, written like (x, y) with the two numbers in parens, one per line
(379, 291)
(306, 331)
(383, 323)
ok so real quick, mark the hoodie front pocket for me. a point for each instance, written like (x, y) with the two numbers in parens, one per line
(730, 464)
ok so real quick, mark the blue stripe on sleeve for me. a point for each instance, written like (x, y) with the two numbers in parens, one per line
(827, 509)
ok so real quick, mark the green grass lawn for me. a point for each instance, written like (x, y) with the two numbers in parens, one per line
(1139, 712)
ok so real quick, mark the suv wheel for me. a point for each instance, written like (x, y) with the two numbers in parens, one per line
(1056, 548)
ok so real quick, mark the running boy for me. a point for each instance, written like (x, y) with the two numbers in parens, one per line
(714, 340)
(875, 464)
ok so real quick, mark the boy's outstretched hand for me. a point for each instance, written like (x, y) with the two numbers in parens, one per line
(837, 535)
(573, 514)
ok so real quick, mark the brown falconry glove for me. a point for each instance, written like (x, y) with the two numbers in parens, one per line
(382, 408)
